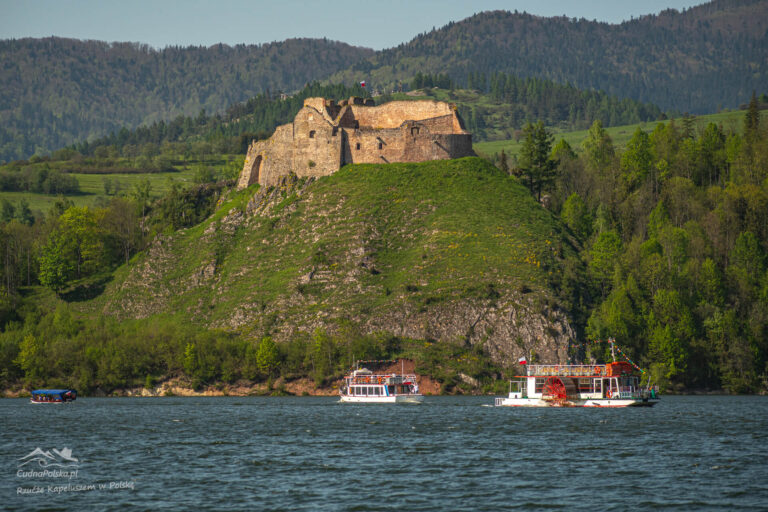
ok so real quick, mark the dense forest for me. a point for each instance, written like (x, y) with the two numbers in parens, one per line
(59, 91)
(696, 61)
(228, 132)
(675, 241)
(498, 105)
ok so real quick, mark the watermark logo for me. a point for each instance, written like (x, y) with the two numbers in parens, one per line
(38, 466)
(59, 458)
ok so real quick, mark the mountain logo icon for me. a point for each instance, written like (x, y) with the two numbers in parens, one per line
(59, 458)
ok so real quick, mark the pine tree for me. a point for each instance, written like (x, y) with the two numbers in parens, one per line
(536, 165)
(752, 120)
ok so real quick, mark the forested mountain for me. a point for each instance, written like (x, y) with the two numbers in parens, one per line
(706, 57)
(56, 91)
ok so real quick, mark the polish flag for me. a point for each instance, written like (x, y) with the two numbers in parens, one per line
(362, 84)
(522, 360)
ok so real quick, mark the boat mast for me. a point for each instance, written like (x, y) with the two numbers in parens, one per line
(613, 348)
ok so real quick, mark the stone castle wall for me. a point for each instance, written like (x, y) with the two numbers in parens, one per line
(324, 136)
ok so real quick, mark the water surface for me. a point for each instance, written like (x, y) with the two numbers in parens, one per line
(451, 453)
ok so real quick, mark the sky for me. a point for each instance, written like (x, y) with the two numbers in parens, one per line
(379, 25)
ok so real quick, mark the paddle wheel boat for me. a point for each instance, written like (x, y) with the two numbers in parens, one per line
(364, 386)
(614, 384)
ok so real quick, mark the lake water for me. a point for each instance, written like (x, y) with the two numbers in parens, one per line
(451, 453)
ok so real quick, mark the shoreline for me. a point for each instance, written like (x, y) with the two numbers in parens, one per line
(179, 386)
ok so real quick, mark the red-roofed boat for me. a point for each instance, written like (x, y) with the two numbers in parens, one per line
(613, 384)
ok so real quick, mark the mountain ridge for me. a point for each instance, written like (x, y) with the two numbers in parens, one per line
(666, 59)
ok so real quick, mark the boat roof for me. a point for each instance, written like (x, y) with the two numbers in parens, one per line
(52, 391)
(613, 369)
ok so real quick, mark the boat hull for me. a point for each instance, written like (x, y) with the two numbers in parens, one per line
(397, 399)
(589, 402)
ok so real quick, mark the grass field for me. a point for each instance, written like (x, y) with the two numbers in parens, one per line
(731, 120)
(92, 189)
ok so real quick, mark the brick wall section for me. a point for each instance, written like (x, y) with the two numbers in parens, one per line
(324, 136)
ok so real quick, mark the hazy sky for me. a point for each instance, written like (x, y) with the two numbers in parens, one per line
(377, 25)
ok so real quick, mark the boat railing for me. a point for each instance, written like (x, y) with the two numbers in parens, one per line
(626, 392)
(566, 370)
(389, 379)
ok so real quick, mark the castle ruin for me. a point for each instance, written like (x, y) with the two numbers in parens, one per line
(324, 136)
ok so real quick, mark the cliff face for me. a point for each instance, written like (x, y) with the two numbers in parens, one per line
(439, 251)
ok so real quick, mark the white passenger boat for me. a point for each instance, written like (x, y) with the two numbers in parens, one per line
(364, 386)
(579, 385)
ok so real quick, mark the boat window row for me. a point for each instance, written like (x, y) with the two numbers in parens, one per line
(368, 391)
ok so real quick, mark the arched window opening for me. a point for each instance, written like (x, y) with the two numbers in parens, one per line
(312, 134)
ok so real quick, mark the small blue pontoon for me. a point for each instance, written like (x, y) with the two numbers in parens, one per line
(53, 396)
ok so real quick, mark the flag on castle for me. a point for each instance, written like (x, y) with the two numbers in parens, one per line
(362, 84)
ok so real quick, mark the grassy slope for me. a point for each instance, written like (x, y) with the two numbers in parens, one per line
(731, 120)
(433, 232)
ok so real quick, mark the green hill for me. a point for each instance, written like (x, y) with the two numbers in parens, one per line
(438, 251)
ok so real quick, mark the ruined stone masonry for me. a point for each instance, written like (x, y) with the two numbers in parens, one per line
(324, 136)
